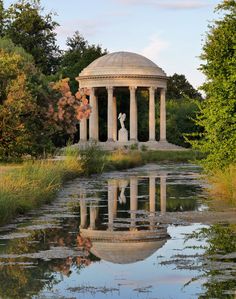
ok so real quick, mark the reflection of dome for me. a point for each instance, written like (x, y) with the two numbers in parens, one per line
(123, 63)
(125, 252)
(125, 247)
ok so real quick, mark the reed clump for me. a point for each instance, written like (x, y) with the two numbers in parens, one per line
(223, 183)
(122, 159)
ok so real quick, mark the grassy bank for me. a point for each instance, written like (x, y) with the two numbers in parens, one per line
(33, 184)
(28, 185)
(170, 156)
(120, 159)
(223, 183)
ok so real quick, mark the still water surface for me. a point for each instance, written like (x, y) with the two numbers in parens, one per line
(119, 235)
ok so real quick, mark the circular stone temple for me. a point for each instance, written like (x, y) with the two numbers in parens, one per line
(124, 70)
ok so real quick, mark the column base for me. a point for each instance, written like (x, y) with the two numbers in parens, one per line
(152, 140)
(110, 140)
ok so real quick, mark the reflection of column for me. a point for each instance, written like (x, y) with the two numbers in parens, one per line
(93, 216)
(115, 198)
(152, 200)
(83, 213)
(152, 118)
(114, 119)
(83, 129)
(110, 114)
(163, 194)
(163, 115)
(152, 194)
(133, 114)
(112, 202)
(133, 201)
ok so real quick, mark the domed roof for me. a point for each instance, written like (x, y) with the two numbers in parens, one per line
(122, 63)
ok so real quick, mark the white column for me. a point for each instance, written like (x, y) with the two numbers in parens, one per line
(133, 114)
(83, 129)
(152, 118)
(133, 201)
(163, 115)
(163, 194)
(114, 119)
(92, 118)
(96, 120)
(110, 114)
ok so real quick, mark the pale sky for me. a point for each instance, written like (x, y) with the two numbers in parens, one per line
(169, 32)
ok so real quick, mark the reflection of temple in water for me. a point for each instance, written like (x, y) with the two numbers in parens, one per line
(119, 231)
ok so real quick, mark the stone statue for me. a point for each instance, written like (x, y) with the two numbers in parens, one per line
(123, 133)
(122, 117)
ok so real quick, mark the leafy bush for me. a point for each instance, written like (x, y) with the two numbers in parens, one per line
(93, 159)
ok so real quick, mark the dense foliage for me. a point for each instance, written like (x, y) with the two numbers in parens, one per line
(180, 120)
(218, 112)
(22, 130)
(178, 88)
(27, 27)
(31, 113)
(78, 55)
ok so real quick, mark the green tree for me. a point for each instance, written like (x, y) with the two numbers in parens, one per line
(78, 55)
(218, 111)
(23, 129)
(178, 88)
(1, 18)
(27, 27)
(180, 120)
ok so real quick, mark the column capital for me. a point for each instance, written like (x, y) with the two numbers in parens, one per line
(152, 89)
(164, 89)
(132, 88)
(109, 88)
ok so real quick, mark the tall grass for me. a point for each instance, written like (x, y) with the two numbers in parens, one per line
(121, 159)
(224, 183)
(174, 156)
(33, 184)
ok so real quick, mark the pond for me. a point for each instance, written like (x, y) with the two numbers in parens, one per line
(148, 232)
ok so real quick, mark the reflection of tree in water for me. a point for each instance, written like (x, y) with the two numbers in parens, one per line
(180, 197)
(24, 277)
(218, 261)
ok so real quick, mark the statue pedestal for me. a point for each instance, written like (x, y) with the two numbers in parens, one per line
(123, 135)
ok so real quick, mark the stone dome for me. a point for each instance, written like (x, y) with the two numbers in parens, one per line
(123, 63)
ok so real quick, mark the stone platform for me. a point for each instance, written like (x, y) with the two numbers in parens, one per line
(150, 145)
